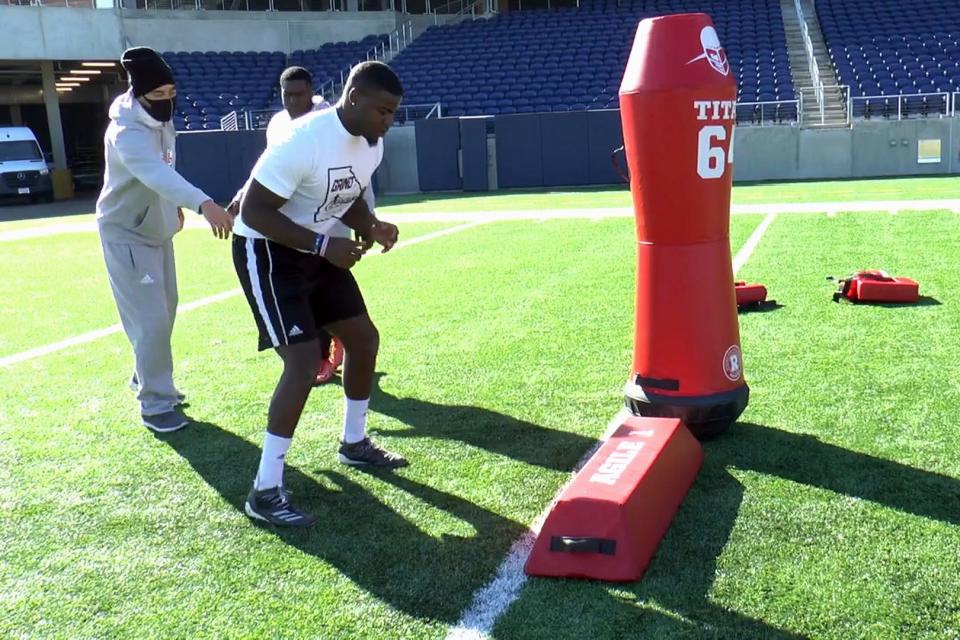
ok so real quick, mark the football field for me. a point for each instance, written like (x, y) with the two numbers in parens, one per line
(831, 510)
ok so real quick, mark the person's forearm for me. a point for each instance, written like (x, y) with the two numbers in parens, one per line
(359, 217)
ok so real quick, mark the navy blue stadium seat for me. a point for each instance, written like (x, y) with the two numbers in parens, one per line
(882, 49)
(573, 58)
(211, 84)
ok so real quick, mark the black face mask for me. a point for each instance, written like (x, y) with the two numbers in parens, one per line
(160, 110)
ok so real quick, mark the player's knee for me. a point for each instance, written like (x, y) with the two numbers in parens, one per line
(300, 362)
(368, 342)
(362, 339)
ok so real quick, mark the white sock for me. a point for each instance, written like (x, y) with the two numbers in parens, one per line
(270, 473)
(355, 419)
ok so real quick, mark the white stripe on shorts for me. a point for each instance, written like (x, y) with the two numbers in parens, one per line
(254, 276)
(276, 303)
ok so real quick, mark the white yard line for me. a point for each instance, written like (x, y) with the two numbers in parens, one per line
(90, 336)
(747, 249)
(493, 599)
(830, 208)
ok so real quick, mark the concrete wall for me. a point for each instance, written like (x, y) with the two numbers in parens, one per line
(57, 33)
(869, 149)
(241, 31)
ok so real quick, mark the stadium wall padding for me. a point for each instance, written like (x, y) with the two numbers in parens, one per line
(398, 172)
(557, 149)
(565, 148)
(473, 146)
(519, 154)
(219, 162)
(438, 147)
(605, 134)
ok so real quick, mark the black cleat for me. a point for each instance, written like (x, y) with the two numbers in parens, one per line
(273, 506)
(368, 452)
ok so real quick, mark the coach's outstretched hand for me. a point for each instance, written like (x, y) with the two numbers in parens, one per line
(219, 220)
(343, 252)
(384, 234)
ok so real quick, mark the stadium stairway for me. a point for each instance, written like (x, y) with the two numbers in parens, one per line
(834, 108)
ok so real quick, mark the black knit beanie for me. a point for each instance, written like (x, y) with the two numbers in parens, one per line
(146, 70)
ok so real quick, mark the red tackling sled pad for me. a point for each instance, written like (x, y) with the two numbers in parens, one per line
(608, 522)
(877, 286)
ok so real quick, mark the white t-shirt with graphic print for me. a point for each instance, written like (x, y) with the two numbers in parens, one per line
(319, 167)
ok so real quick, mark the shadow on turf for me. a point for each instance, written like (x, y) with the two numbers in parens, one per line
(759, 307)
(481, 428)
(923, 301)
(685, 568)
(378, 549)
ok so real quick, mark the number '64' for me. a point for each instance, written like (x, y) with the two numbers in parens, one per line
(710, 159)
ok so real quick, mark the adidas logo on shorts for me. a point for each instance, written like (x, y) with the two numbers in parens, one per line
(295, 331)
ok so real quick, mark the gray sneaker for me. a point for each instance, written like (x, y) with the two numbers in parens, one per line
(135, 386)
(273, 506)
(166, 422)
(368, 452)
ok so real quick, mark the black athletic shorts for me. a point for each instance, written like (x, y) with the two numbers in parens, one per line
(293, 294)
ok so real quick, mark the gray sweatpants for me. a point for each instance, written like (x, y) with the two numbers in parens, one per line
(144, 284)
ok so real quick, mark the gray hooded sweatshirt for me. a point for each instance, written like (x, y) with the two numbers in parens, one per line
(141, 188)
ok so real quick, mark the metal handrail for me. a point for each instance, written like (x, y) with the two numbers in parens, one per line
(948, 111)
(775, 103)
(811, 59)
(433, 109)
(466, 6)
(403, 36)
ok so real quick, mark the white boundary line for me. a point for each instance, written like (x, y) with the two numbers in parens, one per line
(492, 600)
(830, 208)
(90, 336)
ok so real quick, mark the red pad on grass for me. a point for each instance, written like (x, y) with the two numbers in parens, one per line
(608, 522)
(749, 293)
(878, 286)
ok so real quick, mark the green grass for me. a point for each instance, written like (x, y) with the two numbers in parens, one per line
(586, 198)
(831, 511)
(38, 287)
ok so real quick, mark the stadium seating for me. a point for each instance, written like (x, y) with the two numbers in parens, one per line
(884, 48)
(212, 84)
(573, 59)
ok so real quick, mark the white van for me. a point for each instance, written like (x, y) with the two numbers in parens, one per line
(23, 170)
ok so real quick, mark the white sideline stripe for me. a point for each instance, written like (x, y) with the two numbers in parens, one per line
(492, 600)
(90, 336)
(747, 249)
(830, 208)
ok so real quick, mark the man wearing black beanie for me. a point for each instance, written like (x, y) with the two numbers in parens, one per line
(138, 213)
(147, 72)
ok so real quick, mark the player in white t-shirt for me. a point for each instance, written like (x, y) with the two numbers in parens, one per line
(296, 272)
(296, 93)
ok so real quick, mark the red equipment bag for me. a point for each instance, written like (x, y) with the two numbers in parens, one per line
(877, 286)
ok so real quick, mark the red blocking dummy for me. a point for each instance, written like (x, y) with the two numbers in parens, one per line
(678, 110)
